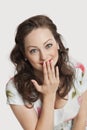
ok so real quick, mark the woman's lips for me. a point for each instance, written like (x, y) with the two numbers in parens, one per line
(41, 63)
(46, 61)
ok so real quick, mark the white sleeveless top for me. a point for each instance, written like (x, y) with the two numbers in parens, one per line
(62, 117)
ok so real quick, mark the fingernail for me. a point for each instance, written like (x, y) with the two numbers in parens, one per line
(32, 80)
(51, 61)
(44, 63)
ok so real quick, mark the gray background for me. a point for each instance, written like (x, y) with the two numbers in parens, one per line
(70, 17)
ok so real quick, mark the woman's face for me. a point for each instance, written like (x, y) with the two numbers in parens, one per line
(40, 46)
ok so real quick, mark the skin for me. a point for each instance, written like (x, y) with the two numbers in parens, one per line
(48, 89)
(40, 47)
(41, 50)
(45, 55)
(81, 118)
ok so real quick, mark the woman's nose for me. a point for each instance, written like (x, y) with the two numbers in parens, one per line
(43, 55)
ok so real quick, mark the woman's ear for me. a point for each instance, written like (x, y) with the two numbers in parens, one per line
(25, 59)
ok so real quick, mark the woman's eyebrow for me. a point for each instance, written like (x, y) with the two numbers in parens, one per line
(36, 46)
(46, 41)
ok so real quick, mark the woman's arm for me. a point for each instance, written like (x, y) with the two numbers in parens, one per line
(28, 118)
(79, 123)
(80, 119)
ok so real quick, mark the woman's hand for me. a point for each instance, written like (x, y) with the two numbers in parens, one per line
(51, 79)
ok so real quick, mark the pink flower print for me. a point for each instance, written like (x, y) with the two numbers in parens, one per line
(81, 66)
(80, 100)
(39, 111)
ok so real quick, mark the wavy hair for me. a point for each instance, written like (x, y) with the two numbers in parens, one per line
(24, 70)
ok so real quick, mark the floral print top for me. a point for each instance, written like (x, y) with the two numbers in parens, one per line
(62, 117)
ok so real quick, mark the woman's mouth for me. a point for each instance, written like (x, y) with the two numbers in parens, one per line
(41, 63)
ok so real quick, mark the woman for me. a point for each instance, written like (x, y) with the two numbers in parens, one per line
(44, 92)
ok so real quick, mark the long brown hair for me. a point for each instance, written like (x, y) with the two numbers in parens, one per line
(22, 78)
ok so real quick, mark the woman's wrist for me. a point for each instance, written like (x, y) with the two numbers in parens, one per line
(49, 98)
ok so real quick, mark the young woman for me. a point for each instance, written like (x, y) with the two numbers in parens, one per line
(47, 91)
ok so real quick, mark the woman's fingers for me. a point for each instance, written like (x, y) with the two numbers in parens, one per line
(51, 79)
(49, 71)
(57, 72)
(52, 71)
(45, 72)
(52, 67)
(37, 86)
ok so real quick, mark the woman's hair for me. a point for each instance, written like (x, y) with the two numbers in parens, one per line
(24, 70)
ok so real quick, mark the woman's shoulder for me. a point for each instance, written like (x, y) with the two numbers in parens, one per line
(14, 97)
(11, 87)
(80, 76)
(12, 94)
(80, 68)
(81, 71)
(10, 83)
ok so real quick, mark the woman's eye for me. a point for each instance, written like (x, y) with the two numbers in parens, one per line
(33, 51)
(49, 45)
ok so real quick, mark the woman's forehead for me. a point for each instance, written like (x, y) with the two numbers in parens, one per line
(39, 36)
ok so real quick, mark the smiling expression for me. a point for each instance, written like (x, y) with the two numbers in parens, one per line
(40, 46)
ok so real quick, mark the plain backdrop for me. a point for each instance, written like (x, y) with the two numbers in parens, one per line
(70, 17)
